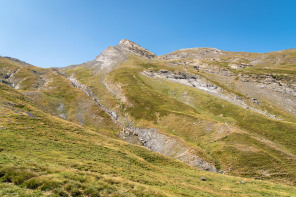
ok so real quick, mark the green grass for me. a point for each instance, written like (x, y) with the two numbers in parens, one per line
(6, 63)
(85, 76)
(46, 155)
(57, 90)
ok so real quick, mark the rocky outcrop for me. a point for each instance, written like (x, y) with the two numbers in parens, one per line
(9, 79)
(280, 90)
(16, 81)
(113, 56)
(201, 83)
(62, 111)
(129, 47)
(166, 145)
(186, 79)
(279, 84)
(109, 59)
(84, 88)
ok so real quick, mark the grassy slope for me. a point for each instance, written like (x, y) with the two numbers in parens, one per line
(79, 107)
(44, 155)
(49, 90)
(85, 76)
(7, 66)
(262, 149)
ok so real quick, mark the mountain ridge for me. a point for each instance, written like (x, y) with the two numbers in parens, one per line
(134, 46)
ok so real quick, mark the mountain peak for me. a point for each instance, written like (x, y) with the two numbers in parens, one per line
(111, 57)
(132, 48)
(127, 42)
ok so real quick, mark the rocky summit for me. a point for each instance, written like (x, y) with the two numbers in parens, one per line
(194, 122)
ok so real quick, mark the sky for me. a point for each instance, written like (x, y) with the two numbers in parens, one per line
(55, 33)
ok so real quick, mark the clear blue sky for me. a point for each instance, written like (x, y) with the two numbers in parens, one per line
(51, 33)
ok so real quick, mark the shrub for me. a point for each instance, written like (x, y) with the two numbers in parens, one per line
(50, 185)
(33, 183)
(16, 175)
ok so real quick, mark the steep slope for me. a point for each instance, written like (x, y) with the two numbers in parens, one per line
(43, 155)
(55, 94)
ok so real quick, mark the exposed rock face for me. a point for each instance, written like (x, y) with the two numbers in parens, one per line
(14, 80)
(287, 86)
(113, 56)
(201, 83)
(129, 47)
(165, 145)
(84, 88)
(281, 91)
(186, 79)
(61, 110)
(109, 59)
(10, 80)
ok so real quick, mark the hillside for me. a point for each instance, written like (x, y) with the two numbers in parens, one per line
(45, 155)
(111, 125)
(196, 114)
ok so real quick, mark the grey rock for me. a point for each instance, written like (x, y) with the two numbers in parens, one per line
(30, 115)
(256, 101)
(129, 47)
(109, 59)
(113, 56)
(62, 111)
(165, 145)
(203, 178)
